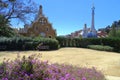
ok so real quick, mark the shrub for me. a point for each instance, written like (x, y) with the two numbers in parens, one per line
(84, 42)
(31, 68)
(62, 41)
(51, 43)
(100, 47)
(25, 43)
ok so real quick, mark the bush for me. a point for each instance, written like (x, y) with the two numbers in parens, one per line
(14, 43)
(25, 43)
(62, 41)
(31, 68)
(100, 47)
(51, 43)
(84, 42)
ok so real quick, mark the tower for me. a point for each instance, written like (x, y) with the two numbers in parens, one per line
(92, 33)
(85, 31)
(40, 13)
(93, 23)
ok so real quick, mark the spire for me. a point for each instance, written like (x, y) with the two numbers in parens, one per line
(40, 10)
(85, 31)
(40, 13)
(92, 23)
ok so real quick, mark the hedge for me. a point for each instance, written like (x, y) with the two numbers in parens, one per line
(84, 42)
(20, 43)
(100, 47)
(25, 43)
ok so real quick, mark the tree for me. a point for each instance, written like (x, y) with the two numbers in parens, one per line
(107, 29)
(5, 30)
(118, 33)
(21, 10)
(113, 31)
(18, 9)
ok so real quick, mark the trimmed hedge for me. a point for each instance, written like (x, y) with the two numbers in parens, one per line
(113, 42)
(84, 42)
(25, 43)
(100, 47)
(52, 43)
(21, 43)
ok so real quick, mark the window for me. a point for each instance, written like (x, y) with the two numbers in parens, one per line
(47, 29)
(42, 21)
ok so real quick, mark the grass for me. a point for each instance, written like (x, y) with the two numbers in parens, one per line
(107, 62)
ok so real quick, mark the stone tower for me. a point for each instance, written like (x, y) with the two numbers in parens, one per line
(93, 22)
(85, 31)
(90, 33)
(40, 13)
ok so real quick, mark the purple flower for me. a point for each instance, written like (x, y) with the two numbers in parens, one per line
(31, 75)
(20, 70)
(4, 78)
(84, 78)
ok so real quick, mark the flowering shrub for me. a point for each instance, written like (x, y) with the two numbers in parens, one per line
(31, 68)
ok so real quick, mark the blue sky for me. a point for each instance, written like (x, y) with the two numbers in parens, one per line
(68, 16)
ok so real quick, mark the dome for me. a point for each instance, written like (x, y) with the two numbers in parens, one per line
(92, 35)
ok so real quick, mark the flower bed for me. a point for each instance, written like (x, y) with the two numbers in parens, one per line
(31, 68)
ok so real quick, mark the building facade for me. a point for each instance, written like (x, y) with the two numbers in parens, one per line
(39, 27)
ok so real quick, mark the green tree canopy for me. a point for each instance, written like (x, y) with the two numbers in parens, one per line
(20, 10)
(5, 30)
(115, 31)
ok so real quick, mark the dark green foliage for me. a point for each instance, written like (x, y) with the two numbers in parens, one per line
(75, 42)
(5, 30)
(62, 41)
(113, 31)
(118, 33)
(83, 43)
(24, 43)
(52, 43)
(27, 66)
(100, 47)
